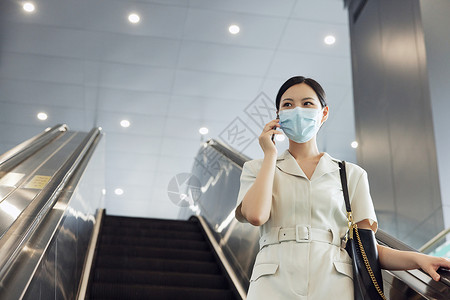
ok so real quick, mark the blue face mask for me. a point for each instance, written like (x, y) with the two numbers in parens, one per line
(300, 124)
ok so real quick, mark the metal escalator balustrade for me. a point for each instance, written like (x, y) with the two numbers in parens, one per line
(39, 215)
(26, 149)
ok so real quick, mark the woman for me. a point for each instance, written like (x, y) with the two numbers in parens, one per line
(297, 202)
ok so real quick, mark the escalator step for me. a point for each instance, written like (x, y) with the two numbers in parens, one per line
(158, 253)
(152, 223)
(156, 259)
(149, 278)
(166, 265)
(115, 291)
(154, 242)
(154, 233)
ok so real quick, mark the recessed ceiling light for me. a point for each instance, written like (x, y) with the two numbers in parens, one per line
(118, 191)
(134, 18)
(355, 144)
(234, 29)
(42, 116)
(280, 137)
(125, 123)
(203, 130)
(329, 40)
(28, 7)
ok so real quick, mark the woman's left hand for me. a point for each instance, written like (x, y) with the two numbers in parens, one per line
(430, 264)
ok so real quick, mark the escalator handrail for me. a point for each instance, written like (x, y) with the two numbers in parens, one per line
(233, 155)
(16, 155)
(218, 250)
(45, 201)
(390, 241)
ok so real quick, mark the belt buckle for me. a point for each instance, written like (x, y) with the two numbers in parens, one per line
(305, 230)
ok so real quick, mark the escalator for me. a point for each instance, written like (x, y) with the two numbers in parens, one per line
(157, 259)
(57, 241)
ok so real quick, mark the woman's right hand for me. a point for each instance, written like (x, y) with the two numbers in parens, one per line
(265, 139)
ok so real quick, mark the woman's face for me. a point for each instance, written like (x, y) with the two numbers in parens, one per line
(302, 95)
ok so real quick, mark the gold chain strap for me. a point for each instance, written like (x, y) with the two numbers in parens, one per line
(366, 262)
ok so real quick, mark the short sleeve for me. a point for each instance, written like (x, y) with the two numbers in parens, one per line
(362, 204)
(247, 179)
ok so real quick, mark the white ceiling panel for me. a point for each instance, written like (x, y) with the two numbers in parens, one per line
(180, 147)
(107, 16)
(40, 67)
(187, 107)
(92, 45)
(140, 124)
(216, 85)
(339, 98)
(133, 77)
(55, 41)
(271, 85)
(173, 165)
(45, 93)
(181, 3)
(155, 19)
(332, 69)
(212, 26)
(129, 177)
(280, 8)
(323, 11)
(12, 134)
(132, 193)
(137, 161)
(131, 49)
(124, 142)
(133, 102)
(219, 58)
(26, 114)
(204, 109)
(187, 128)
(308, 36)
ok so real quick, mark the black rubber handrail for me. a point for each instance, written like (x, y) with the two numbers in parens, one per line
(21, 152)
(390, 241)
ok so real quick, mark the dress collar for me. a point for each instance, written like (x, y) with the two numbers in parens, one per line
(287, 163)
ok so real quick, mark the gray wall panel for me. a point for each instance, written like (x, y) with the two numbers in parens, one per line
(393, 118)
(436, 26)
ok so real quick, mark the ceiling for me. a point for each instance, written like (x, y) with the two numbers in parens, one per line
(84, 64)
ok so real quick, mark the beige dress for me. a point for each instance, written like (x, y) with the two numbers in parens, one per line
(301, 254)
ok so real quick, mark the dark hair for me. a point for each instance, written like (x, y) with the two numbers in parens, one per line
(300, 79)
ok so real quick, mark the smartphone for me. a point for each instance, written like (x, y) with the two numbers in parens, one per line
(275, 128)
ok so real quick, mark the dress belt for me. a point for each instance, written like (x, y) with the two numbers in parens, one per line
(300, 234)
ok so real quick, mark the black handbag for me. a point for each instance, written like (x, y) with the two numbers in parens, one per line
(362, 248)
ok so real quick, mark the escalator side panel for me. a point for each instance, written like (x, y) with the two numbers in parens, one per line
(58, 274)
